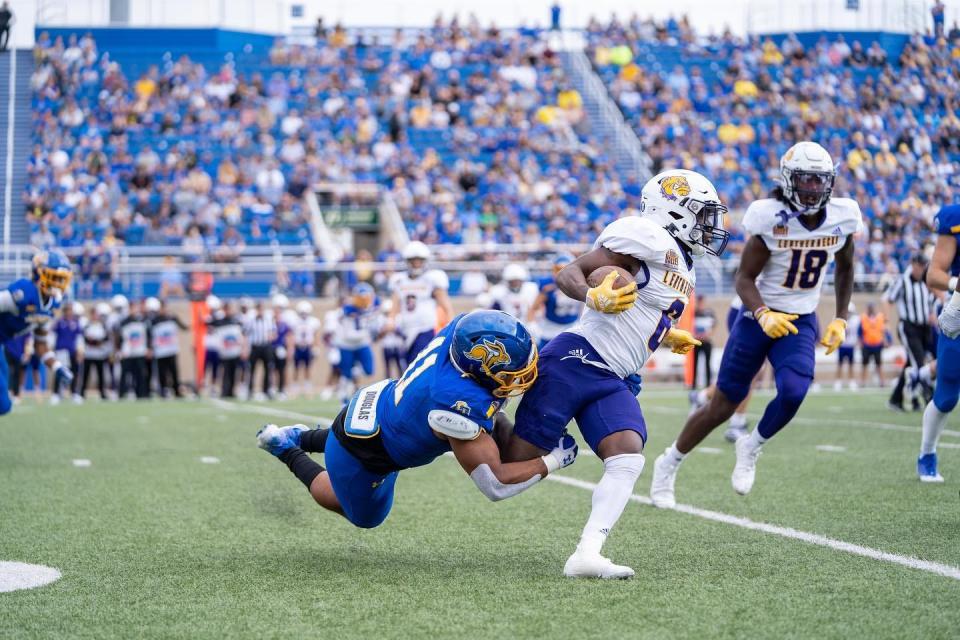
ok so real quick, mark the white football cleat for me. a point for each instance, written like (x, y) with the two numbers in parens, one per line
(745, 470)
(661, 487)
(593, 565)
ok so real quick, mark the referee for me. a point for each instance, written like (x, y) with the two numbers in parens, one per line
(260, 331)
(915, 311)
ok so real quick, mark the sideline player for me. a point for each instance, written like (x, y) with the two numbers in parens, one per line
(794, 236)
(306, 332)
(445, 401)
(584, 371)
(943, 275)
(515, 294)
(29, 305)
(417, 293)
(559, 310)
(359, 323)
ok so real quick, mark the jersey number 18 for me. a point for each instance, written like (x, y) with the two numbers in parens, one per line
(813, 261)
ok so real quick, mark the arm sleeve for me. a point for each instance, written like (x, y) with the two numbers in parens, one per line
(495, 490)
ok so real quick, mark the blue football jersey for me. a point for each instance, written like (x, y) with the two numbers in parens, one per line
(948, 224)
(31, 313)
(558, 307)
(430, 382)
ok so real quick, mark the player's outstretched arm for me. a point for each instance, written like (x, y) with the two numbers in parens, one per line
(836, 331)
(480, 458)
(572, 280)
(938, 274)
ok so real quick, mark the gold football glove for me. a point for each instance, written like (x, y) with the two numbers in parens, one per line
(681, 341)
(835, 334)
(774, 323)
(606, 299)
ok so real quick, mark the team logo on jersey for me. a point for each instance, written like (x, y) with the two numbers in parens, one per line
(674, 187)
(672, 259)
(462, 407)
(489, 353)
(781, 230)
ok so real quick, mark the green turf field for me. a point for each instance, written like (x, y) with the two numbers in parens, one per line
(152, 542)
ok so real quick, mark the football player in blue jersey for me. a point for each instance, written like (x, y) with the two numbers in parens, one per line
(446, 400)
(28, 305)
(943, 275)
(559, 311)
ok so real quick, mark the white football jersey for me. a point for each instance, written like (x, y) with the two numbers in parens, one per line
(516, 303)
(305, 331)
(664, 284)
(799, 257)
(418, 308)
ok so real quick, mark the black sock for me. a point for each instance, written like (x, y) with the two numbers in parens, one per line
(314, 440)
(301, 465)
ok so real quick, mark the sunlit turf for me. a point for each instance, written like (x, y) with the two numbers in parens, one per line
(152, 542)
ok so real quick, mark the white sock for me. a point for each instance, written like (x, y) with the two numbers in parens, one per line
(673, 455)
(756, 440)
(738, 420)
(620, 474)
(933, 422)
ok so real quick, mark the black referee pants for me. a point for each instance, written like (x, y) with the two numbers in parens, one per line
(168, 376)
(133, 375)
(262, 353)
(915, 338)
(704, 351)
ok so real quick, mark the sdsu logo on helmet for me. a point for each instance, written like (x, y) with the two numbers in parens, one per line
(490, 354)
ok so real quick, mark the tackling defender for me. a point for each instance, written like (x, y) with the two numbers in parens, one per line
(29, 306)
(584, 371)
(794, 237)
(943, 275)
(446, 400)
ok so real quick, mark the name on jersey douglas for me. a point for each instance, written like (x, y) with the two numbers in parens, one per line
(810, 243)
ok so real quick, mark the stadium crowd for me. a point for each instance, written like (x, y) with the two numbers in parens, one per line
(730, 107)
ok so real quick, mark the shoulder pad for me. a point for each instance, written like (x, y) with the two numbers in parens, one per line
(636, 236)
(763, 215)
(844, 214)
(438, 279)
(948, 220)
(453, 425)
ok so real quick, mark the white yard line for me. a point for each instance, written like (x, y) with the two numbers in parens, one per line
(716, 516)
(786, 532)
(268, 411)
(831, 448)
(81, 462)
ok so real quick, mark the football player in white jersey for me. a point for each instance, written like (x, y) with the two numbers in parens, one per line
(306, 338)
(515, 294)
(794, 236)
(416, 295)
(586, 372)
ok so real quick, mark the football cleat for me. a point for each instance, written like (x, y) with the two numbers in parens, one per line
(927, 468)
(661, 487)
(593, 565)
(745, 470)
(277, 440)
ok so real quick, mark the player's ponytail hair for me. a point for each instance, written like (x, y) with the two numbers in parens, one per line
(777, 194)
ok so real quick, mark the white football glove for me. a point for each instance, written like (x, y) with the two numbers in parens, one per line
(562, 455)
(950, 321)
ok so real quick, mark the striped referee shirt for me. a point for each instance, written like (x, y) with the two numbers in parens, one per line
(913, 298)
(261, 331)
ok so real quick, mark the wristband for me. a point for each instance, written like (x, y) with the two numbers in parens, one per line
(952, 284)
(759, 312)
(550, 462)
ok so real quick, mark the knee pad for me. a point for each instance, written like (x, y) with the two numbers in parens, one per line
(625, 464)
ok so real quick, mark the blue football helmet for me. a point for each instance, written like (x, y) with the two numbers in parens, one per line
(52, 273)
(363, 296)
(560, 261)
(496, 350)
